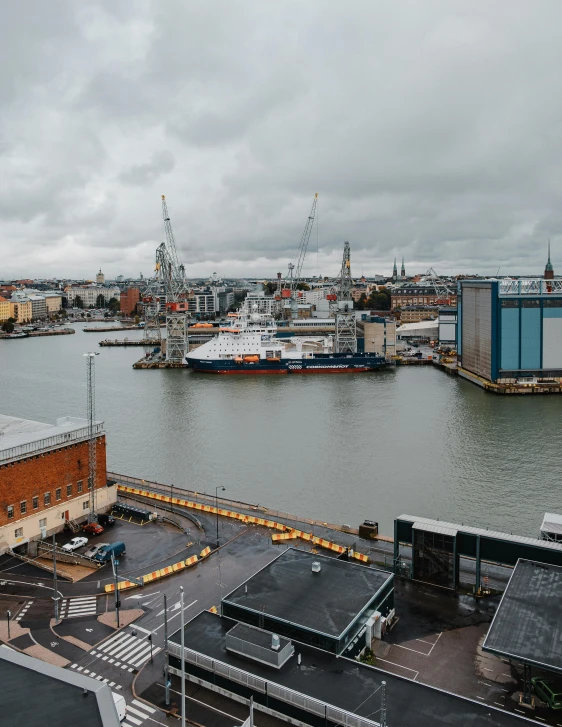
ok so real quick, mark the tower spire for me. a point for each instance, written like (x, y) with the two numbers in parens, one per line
(394, 272)
(402, 269)
(549, 270)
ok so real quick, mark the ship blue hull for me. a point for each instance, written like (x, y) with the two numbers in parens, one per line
(319, 364)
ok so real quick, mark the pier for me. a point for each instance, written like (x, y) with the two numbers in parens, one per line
(129, 342)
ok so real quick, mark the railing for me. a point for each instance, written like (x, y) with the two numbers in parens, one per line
(530, 286)
(327, 711)
(40, 445)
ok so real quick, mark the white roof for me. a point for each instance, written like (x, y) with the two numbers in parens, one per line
(423, 325)
(552, 523)
(19, 437)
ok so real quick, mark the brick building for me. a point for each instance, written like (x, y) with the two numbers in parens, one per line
(418, 295)
(44, 477)
(128, 300)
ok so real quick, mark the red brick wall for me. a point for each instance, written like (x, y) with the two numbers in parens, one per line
(128, 300)
(36, 475)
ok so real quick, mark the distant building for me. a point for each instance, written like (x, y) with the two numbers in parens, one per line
(404, 295)
(510, 329)
(5, 309)
(38, 307)
(415, 313)
(89, 294)
(379, 334)
(44, 477)
(394, 272)
(128, 300)
(22, 310)
(447, 326)
(100, 278)
(403, 270)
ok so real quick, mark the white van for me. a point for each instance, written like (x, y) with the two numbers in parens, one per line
(120, 706)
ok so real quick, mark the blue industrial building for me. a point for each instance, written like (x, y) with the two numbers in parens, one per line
(509, 330)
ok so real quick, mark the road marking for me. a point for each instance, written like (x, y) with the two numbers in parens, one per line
(136, 711)
(486, 668)
(80, 668)
(140, 628)
(406, 668)
(407, 648)
(144, 706)
(506, 675)
(499, 704)
(543, 719)
(111, 661)
(128, 719)
(518, 710)
(479, 697)
(176, 614)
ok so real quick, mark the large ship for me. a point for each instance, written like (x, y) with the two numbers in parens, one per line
(248, 345)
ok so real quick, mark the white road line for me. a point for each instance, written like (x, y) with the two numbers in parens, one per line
(111, 684)
(110, 640)
(140, 628)
(80, 668)
(176, 614)
(131, 720)
(423, 653)
(486, 668)
(479, 697)
(144, 706)
(73, 666)
(138, 662)
(120, 647)
(105, 658)
(133, 646)
(518, 710)
(406, 668)
(135, 711)
(499, 704)
(111, 661)
(137, 652)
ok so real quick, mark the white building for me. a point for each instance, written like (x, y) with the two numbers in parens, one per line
(89, 294)
(100, 278)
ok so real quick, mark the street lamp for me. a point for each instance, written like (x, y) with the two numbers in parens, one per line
(217, 508)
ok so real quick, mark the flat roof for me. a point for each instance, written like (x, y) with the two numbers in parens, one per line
(259, 637)
(22, 436)
(327, 602)
(347, 684)
(527, 626)
(35, 693)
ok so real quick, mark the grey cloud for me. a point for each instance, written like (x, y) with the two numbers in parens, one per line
(161, 163)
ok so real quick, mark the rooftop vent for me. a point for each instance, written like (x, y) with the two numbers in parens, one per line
(316, 567)
(275, 642)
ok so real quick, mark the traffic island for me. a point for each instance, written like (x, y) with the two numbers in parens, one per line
(126, 617)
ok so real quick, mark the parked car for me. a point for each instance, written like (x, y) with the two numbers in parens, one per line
(106, 520)
(549, 691)
(74, 544)
(90, 553)
(115, 549)
(93, 529)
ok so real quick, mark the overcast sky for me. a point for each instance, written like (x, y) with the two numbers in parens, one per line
(429, 129)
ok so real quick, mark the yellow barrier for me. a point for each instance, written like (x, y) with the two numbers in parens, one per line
(251, 519)
(191, 560)
(213, 609)
(283, 536)
(205, 552)
(121, 586)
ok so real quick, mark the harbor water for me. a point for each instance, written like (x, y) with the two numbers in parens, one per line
(339, 448)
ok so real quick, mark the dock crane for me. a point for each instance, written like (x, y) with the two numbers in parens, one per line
(442, 290)
(172, 274)
(346, 324)
(295, 268)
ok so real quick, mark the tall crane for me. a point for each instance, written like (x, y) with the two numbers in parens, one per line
(152, 298)
(346, 325)
(295, 269)
(442, 290)
(172, 275)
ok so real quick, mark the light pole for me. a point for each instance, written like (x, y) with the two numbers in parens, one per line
(182, 643)
(217, 508)
(55, 587)
(166, 664)
(150, 639)
(9, 615)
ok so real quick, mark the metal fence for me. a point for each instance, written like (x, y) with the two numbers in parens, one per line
(283, 694)
(46, 443)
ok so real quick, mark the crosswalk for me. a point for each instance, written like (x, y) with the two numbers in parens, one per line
(79, 606)
(125, 651)
(93, 675)
(24, 610)
(136, 713)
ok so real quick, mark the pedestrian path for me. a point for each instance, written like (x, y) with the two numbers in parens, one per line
(79, 606)
(136, 713)
(125, 650)
(24, 610)
(93, 675)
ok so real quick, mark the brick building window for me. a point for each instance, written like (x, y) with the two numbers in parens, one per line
(58, 493)
(23, 507)
(47, 498)
(79, 485)
(69, 490)
(18, 532)
(85, 505)
(35, 503)
(43, 522)
(10, 512)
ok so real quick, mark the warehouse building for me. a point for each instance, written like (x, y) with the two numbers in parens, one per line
(44, 477)
(510, 330)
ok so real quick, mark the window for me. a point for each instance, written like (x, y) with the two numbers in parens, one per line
(68, 490)
(79, 485)
(35, 502)
(10, 512)
(23, 507)
(85, 505)
(18, 532)
(58, 493)
(47, 498)
(43, 522)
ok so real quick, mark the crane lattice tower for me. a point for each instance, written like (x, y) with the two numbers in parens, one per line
(346, 327)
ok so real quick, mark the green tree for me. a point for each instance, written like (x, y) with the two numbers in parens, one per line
(303, 286)
(78, 302)
(8, 326)
(100, 301)
(114, 305)
(361, 303)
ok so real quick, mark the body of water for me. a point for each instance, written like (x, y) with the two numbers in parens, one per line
(338, 448)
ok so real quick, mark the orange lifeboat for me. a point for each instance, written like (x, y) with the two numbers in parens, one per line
(251, 359)
(238, 359)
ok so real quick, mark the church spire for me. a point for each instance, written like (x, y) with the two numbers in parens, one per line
(394, 272)
(403, 269)
(549, 270)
